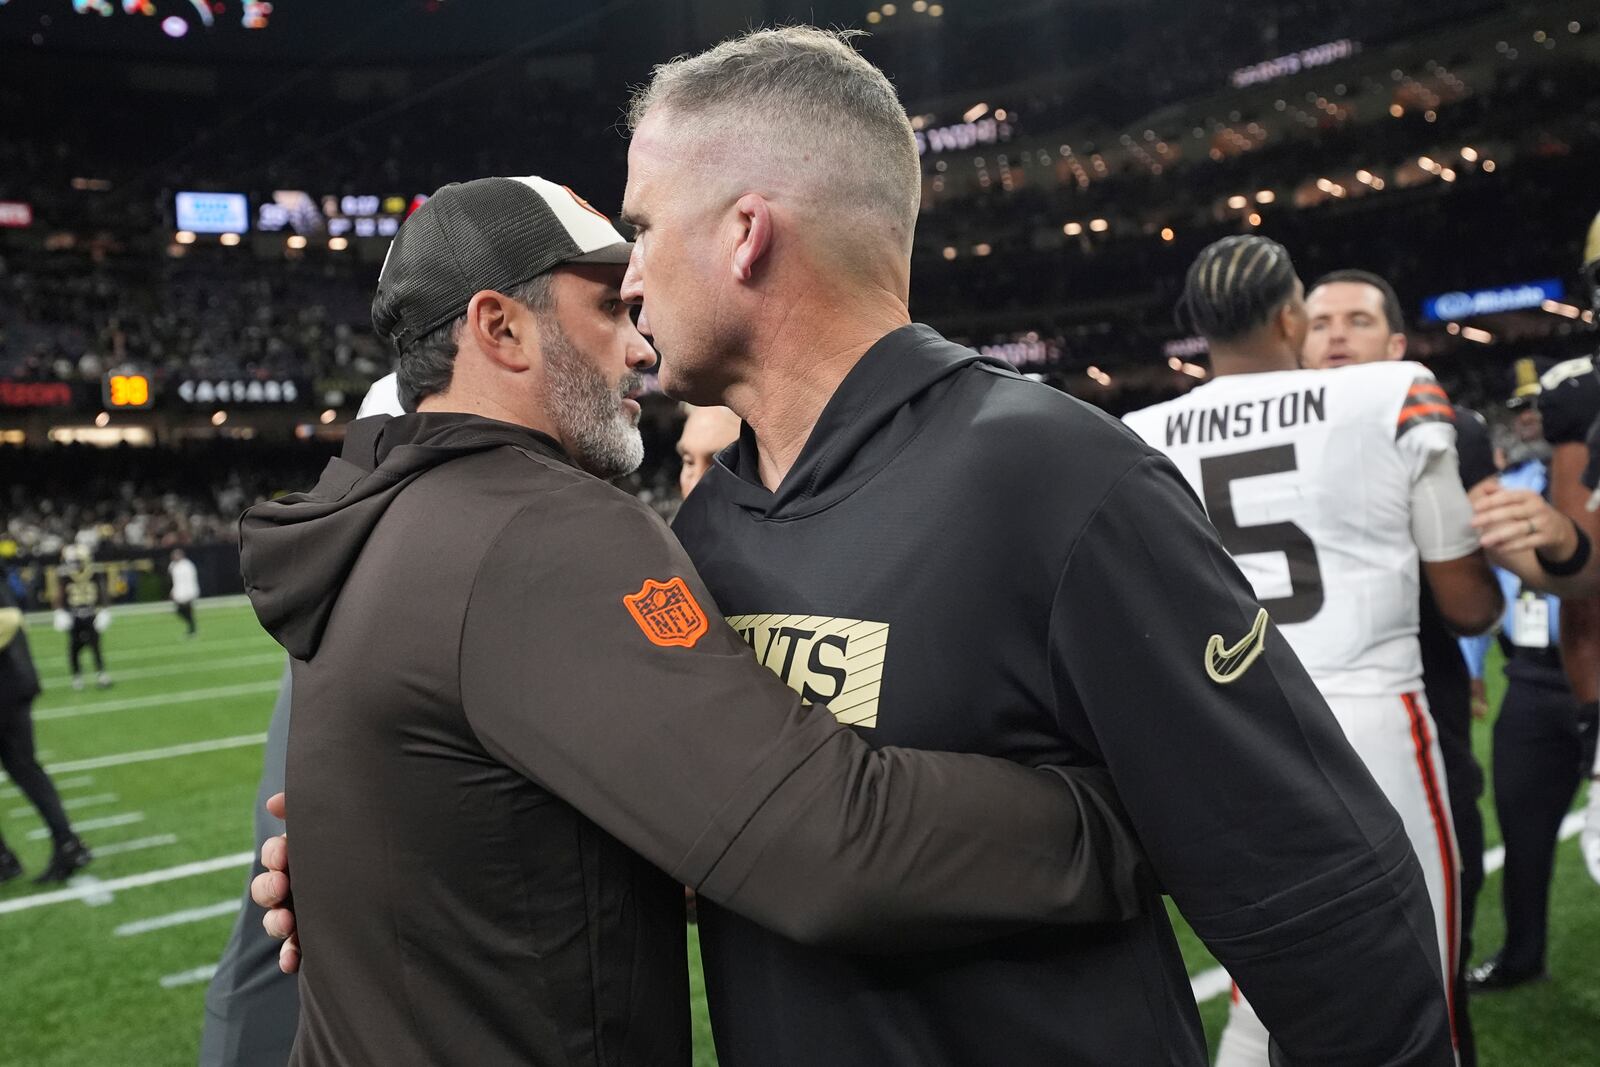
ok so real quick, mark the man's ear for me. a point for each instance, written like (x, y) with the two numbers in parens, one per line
(755, 224)
(498, 325)
(1285, 319)
(1397, 346)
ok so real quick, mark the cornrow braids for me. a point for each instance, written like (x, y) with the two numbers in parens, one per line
(1234, 286)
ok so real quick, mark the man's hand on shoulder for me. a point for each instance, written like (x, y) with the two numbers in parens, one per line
(271, 890)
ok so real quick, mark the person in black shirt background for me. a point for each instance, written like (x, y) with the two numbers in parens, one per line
(19, 684)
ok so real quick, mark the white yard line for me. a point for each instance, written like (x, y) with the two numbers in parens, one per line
(71, 804)
(156, 607)
(1215, 982)
(190, 977)
(138, 843)
(180, 650)
(152, 754)
(193, 748)
(132, 881)
(63, 785)
(159, 700)
(179, 918)
(168, 669)
(125, 819)
(96, 894)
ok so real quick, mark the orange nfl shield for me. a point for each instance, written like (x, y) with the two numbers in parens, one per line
(668, 613)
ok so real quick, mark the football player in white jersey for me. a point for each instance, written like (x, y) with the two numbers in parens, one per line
(1335, 492)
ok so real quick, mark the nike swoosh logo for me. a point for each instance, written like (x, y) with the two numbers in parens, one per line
(1227, 665)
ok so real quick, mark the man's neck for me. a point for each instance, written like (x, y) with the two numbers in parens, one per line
(1246, 357)
(465, 401)
(797, 372)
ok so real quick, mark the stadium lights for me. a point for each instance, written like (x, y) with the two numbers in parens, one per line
(1167, 234)
(1377, 183)
(103, 419)
(1472, 333)
(1364, 177)
(1430, 115)
(975, 112)
(1556, 307)
(888, 9)
(219, 418)
(1588, 316)
(920, 6)
(1000, 114)
(949, 251)
(1099, 225)
(1325, 185)
(1072, 229)
(1488, 166)
(1255, 218)
(1098, 376)
(1426, 164)
(297, 241)
(1469, 154)
(1266, 196)
(328, 417)
(338, 244)
(874, 18)
(229, 239)
(982, 249)
(1194, 370)
(1237, 202)
(1397, 111)
(184, 237)
(1573, 27)
(1452, 328)
(1175, 363)
(936, 10)
(1447, 174)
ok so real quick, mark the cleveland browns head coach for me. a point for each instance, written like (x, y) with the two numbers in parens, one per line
(520, 725)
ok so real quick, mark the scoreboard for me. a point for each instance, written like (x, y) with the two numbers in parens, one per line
(127, 391)
(364, 215)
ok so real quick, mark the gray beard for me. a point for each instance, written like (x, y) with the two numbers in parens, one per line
(601, 437)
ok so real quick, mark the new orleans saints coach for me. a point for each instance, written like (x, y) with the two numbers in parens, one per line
(519, 726)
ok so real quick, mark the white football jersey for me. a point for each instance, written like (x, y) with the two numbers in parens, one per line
(1308, 477)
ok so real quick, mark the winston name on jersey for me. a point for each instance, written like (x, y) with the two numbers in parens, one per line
(1308, 475)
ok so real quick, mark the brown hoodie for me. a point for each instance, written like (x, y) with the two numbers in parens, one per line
(519, 725)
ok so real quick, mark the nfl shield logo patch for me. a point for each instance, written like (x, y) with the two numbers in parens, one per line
(668, 613)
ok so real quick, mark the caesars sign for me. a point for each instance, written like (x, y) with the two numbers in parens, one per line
(272, 391)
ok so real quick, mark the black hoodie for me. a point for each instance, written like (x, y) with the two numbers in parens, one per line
(963, 559)
(514, 708)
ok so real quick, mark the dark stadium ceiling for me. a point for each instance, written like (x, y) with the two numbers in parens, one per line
(369, 30)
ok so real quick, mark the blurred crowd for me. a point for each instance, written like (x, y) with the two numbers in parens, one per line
(121, 500)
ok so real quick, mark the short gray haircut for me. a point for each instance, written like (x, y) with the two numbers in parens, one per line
(800, 76)
(428, 364)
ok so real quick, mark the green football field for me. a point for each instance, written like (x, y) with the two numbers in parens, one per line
(159, 774)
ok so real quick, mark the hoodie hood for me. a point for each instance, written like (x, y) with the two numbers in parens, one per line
(874, 414)
(296, 552)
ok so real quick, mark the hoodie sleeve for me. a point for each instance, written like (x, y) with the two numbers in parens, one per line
(594, 662)
(1257, 816)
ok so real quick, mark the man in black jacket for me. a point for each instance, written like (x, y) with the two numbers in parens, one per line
(954, 557)
(19, 684)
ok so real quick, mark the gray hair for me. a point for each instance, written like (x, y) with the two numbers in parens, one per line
(428, 364)
(813, 86)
